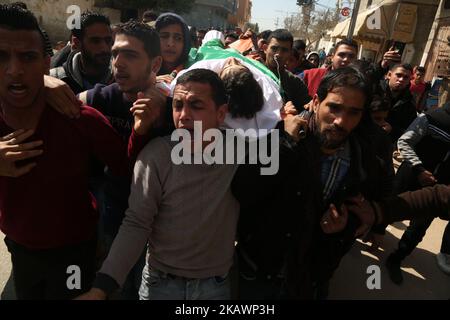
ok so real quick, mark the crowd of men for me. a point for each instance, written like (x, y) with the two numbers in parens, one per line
(87, 176)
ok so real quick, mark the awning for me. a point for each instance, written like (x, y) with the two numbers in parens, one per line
(374, 23)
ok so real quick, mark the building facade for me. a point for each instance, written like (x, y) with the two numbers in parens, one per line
(53, 14)
(206, 14)
(405, 24)
(243, 14)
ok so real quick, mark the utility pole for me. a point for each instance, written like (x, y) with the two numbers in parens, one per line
(351, 28)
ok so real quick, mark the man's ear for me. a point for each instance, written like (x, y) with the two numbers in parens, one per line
(76, 43)
(222, 112)
(316, 103)
(388, 75)
(156, 64)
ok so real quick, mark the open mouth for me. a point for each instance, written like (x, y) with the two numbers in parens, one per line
(17, 89)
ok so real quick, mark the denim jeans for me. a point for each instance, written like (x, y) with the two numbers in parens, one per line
(158, 285)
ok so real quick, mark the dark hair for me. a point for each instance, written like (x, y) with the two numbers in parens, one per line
(421, 69)
(369, 70)
(281, 35)
(265, 34)
(167, 20)
(232, 35)
(295, 53)
(88, 18)
(202, 31)
(14, 17)
(347, 42)
(143, 32)
(405, 66)
(348, 77)
(149, 15)
(206, 76)
(20, 4)
(379, 100)
(246, 96)
(299, 45)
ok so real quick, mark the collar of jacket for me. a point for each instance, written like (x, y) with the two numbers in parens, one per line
(73, 70)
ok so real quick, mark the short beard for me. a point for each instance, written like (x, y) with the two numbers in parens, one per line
(325, 143)
(143, 82)
(89, 60)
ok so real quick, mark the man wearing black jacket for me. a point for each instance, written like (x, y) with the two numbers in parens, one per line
(396, 89)
(286, 248)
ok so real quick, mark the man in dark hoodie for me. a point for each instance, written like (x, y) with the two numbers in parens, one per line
(175, 43)
(136, 60)
(92, 64)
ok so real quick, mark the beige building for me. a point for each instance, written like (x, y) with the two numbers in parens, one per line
(207, 14)
(243, 14)
(436, 57)
(380, 23)
(52, 14)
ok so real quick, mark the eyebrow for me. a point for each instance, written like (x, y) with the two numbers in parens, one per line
(168, 33)
(124, 50)
(339, 105)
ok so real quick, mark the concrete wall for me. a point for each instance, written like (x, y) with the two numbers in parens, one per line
(52, 15)
(425, 18)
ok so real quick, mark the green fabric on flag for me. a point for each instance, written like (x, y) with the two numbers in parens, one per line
(214, 49)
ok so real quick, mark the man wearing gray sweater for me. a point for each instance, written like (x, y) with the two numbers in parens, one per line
(184, 213)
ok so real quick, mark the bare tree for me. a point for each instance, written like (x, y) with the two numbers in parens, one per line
(311, 25)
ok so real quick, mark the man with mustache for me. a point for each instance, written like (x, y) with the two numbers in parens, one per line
(289, 247)
(183, 213)
(136, 61)
(92, 64)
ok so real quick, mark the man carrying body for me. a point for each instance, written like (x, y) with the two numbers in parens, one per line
(48, 215)
(284, 249)
(185, 213)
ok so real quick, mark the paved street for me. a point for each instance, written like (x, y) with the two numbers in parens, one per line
(423, 279)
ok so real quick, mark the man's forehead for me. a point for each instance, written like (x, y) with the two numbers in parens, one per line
(23, 40)
(280, 43)
(98, 27)
(345, 48)
(123, 41)
(192, 89)
(172, 28)
(401, 70)
(348, 97)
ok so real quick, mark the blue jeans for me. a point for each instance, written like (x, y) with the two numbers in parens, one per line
(158, 285)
